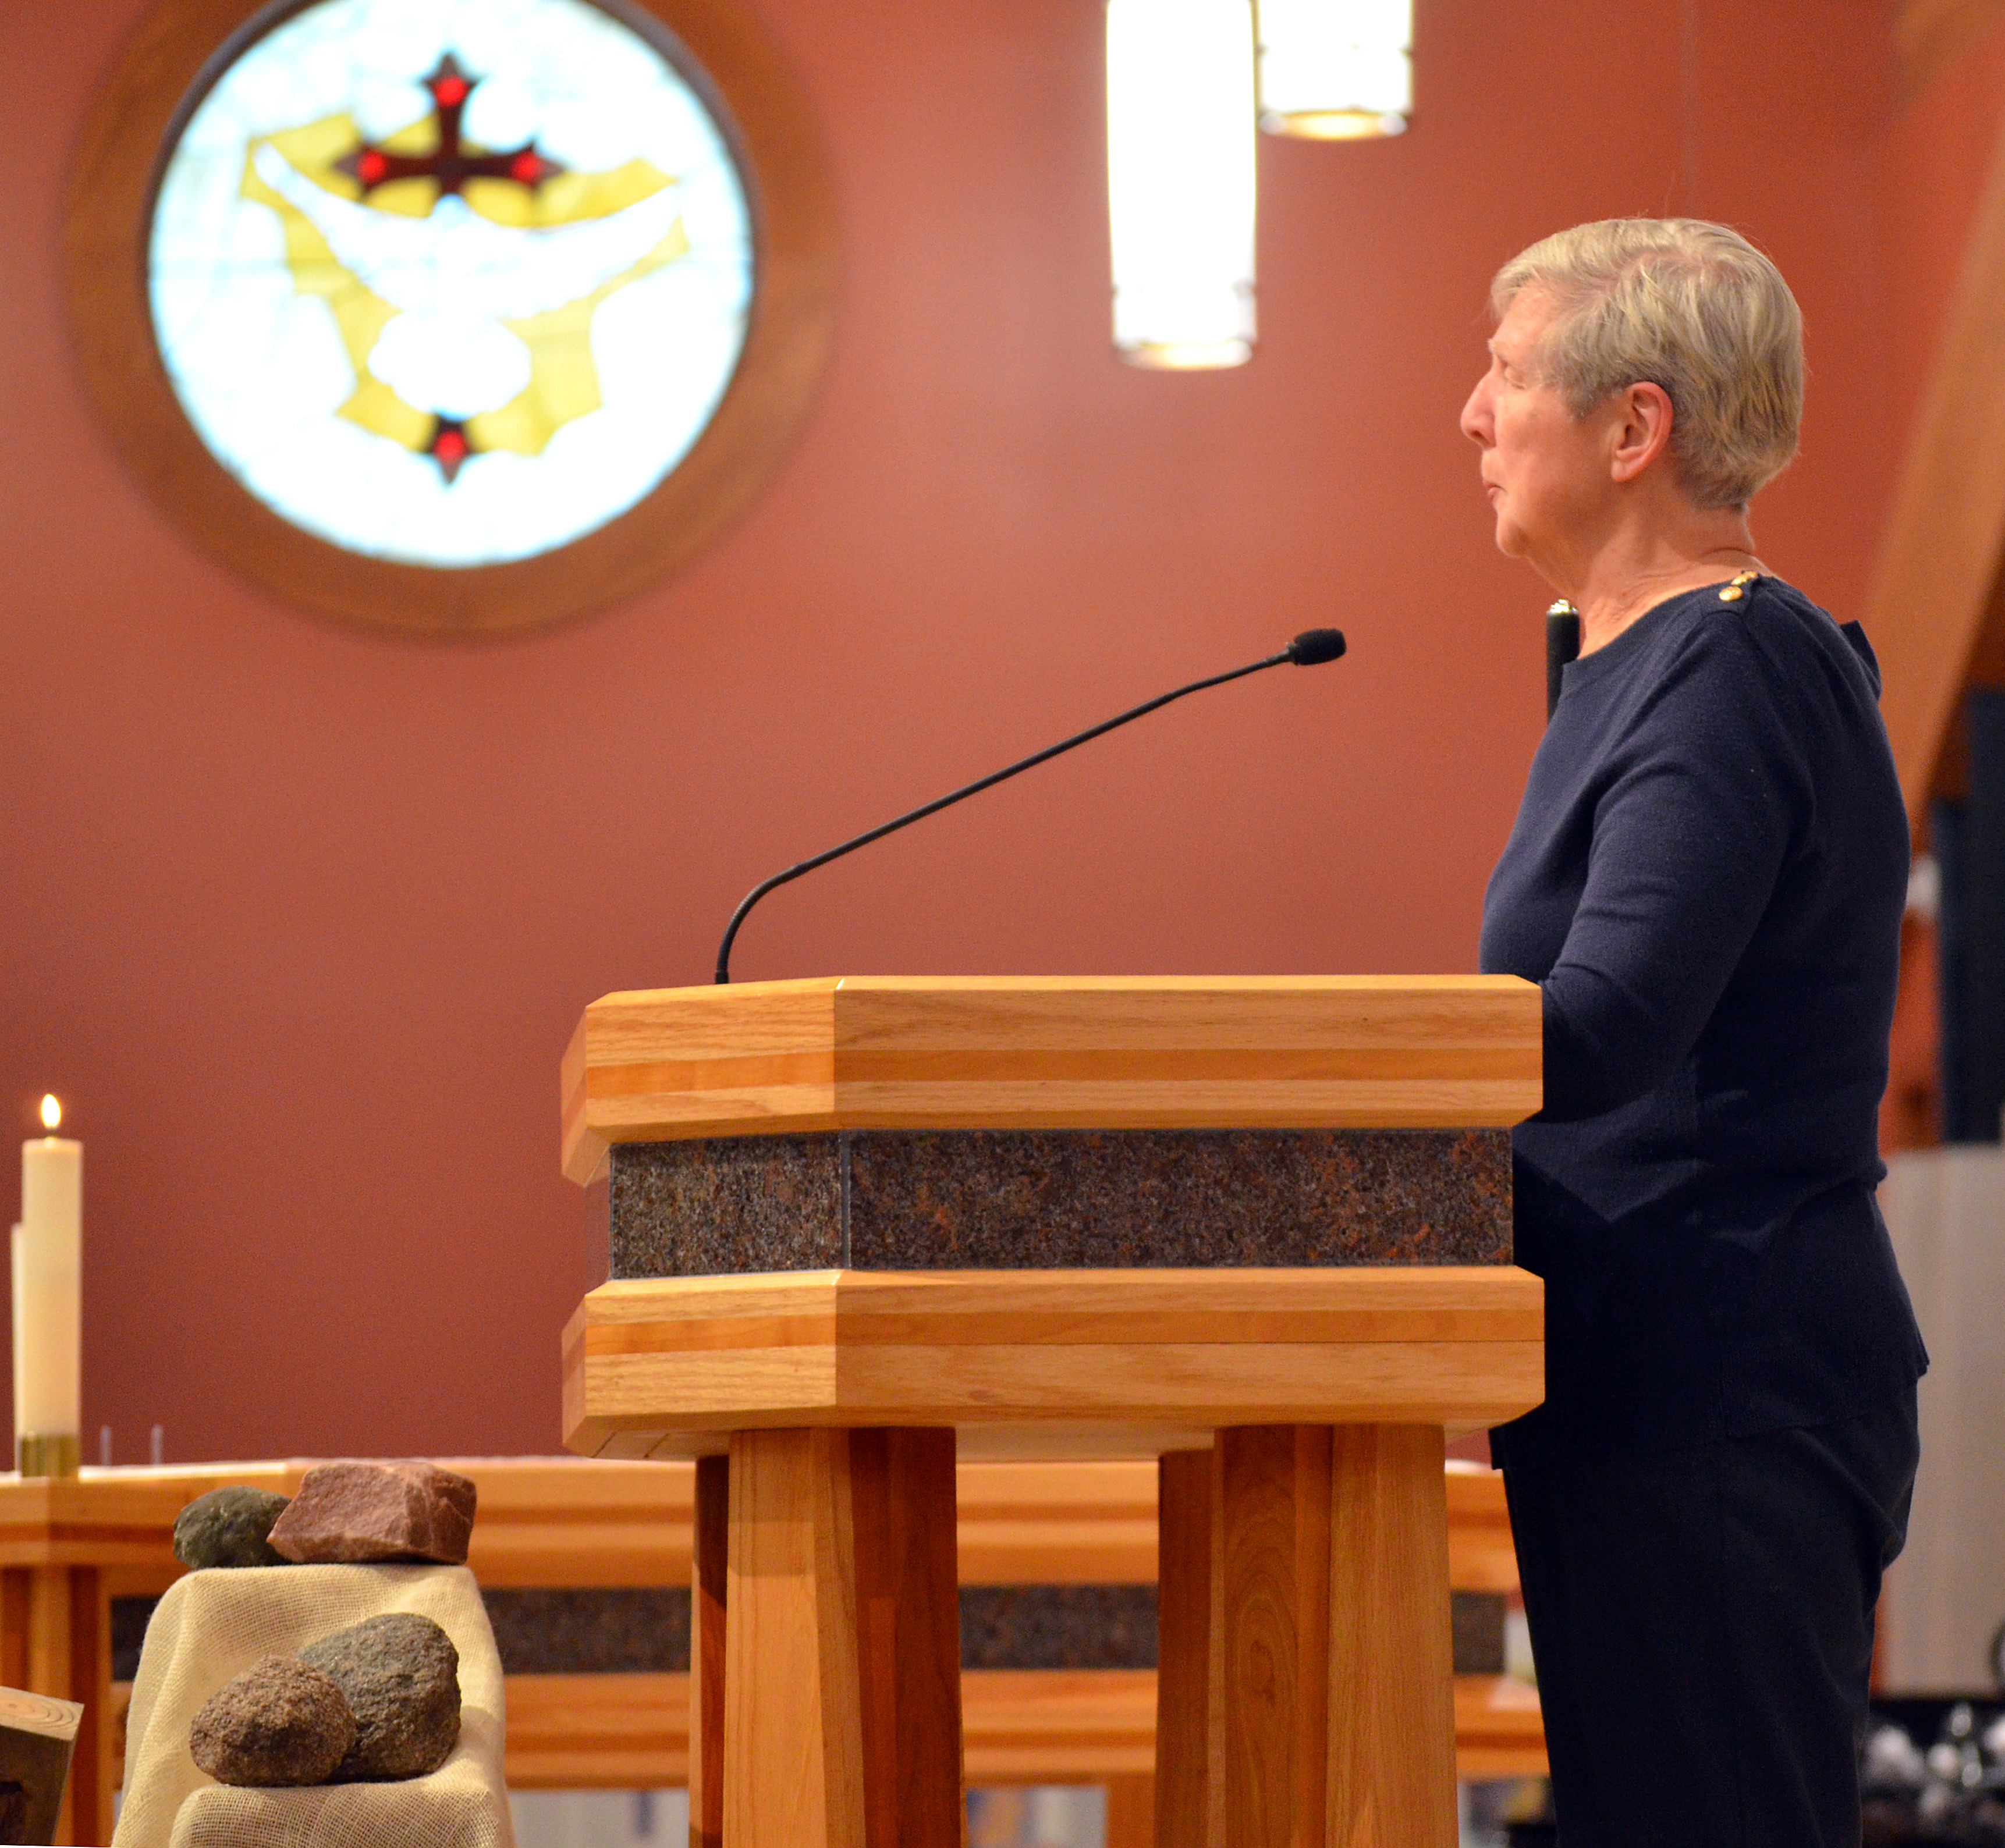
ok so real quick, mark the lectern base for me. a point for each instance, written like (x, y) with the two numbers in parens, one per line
(842, 1647)
(1304, 1683)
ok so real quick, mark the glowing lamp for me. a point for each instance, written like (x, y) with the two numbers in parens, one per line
(1180, 158)
(1336, 70)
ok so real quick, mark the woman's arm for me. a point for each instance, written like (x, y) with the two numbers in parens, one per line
(1711, 798)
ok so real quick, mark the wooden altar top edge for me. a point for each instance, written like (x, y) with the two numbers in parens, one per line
(1049, 1052)
(579, 1521)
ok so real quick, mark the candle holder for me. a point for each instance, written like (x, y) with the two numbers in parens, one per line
(48, 1454)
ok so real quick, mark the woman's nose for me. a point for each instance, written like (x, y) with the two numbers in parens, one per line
(1475, 418)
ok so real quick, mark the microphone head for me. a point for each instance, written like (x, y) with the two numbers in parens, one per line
(1313, 647)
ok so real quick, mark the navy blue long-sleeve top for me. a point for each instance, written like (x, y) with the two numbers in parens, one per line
(1706, 879)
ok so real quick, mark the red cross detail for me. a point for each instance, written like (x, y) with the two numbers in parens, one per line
(449, 166)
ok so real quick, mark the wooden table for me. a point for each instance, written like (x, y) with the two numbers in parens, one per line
(1298, 1409)
(568, 1523)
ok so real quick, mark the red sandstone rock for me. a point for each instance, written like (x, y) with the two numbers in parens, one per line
(367, 1511)
(281, 1722)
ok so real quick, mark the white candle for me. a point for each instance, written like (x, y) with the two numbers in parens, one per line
(48, 1270)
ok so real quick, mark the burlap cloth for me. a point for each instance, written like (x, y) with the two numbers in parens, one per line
(213, 1626)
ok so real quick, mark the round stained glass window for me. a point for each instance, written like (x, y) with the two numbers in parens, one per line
(450, 282)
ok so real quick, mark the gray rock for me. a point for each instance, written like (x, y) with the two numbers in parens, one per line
(400, 1675)
(359, 1512)
(279, 1723)
(228, 1526)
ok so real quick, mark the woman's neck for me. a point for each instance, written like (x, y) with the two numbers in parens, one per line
(1632, 571)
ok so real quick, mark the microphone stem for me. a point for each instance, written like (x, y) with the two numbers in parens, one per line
(970, 789)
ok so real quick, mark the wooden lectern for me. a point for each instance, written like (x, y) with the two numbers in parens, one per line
(1259, 1228)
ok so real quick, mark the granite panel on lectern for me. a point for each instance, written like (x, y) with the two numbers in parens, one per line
(907, 1199)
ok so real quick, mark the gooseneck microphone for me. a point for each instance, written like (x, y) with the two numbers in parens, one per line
(1562, 646)
(1310, 649)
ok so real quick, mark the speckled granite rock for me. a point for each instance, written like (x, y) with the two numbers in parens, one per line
(1478, 1619)
(229, 1528)
(1052, 1199)
(590, 1630)
(279, 1723)
(400, 1674)
(365, 1513)
(1058, 1626)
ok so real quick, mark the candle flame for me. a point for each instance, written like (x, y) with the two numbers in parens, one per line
(52, 1113)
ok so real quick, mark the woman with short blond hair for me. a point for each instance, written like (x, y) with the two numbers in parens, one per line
(1706, 879)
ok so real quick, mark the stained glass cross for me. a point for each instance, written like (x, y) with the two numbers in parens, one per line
(450, 164)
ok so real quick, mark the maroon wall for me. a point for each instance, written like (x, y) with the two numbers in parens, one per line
(298, 920)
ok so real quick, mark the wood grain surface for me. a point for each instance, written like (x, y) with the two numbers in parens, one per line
(1049, 1052)
(793, 1726)
(709, 1606)
(908, 1617)
(568, 1521)
(1270, 1688)
(1050, 1363)
(631, 1732)
(1183, 1661)
(1392, 1719)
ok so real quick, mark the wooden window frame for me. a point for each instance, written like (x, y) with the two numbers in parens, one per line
(179, 51)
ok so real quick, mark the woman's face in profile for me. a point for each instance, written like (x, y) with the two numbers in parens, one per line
(1545, 472)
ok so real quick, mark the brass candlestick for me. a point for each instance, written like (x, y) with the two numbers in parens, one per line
(48, 1454)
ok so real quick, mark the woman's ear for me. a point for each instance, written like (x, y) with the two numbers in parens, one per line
(1642, 430)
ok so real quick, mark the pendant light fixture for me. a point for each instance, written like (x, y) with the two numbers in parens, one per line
(1336, 70)
(1181, 133)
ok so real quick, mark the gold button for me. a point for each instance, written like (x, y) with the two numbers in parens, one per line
(1731, 594)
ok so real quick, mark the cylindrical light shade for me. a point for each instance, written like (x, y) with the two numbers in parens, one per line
(1336, 70)
(1181, 139)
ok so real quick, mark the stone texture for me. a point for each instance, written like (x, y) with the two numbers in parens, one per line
(610, 1630)
(1478, 1618)
(1058, 1626)
(282, 1722)
(639, 1629)
(1039, 1199)
(367, 1512)
(709, 1207)
(645, 1630)
(400, 1674)
(229, 1528)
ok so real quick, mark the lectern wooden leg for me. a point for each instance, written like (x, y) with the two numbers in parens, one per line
(708, 1581)
(1270, 1693)
(793, 1723)
(1183, 1672)
(908, 1597)
(1392, 1703)
(842, 1683)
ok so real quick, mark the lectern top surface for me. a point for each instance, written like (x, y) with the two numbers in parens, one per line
(1084, 984)
(1050, 1052)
